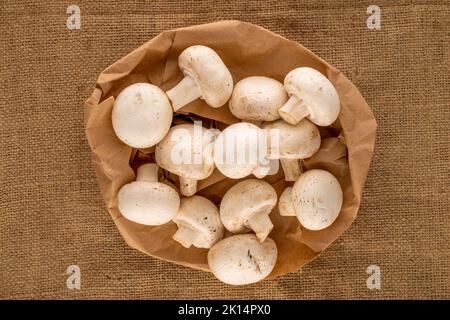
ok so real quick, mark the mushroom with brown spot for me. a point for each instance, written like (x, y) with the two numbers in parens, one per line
(205, 77)
(316, 199)
(146, 200)
(242, 259)
(246, 206)
(311, 95)
(198, 223)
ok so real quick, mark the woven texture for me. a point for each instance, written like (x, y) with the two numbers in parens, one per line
(51, 211)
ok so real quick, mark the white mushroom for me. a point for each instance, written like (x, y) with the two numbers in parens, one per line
(247, 205)
(257, 99)
(267, 167)
(242, 259)
(292, 142)
(198, 223)
(187, 152)
(205, 77)
(141, 115)
(240, 151)
(147, 201)
(285, 205)
(316, 199)
(312, 95)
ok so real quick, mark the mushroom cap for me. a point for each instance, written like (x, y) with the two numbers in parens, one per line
(295, 142)
(242, 259)
(187, 151)
(316, 92)
(236, 150)
(141, 115)
(285, 205)
(149, 203)
(243, 200)
(317, 198)
(257, 99)
(200, 214)
(212, 77)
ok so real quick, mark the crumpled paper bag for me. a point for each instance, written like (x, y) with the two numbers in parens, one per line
(247, 50)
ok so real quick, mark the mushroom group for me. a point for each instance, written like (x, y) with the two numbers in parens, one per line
(278, 125)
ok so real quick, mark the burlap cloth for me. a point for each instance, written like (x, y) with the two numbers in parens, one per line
(52, 214)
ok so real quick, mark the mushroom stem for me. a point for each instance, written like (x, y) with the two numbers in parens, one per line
(260, 172)
(291, 169)
(285, 205)
(269, 168)
(147, 173)
(185, 235)
(260, 223)
(215, 132)
(293, 111)
(188, 187)
(183, 93)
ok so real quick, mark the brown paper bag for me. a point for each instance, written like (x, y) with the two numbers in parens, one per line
(247, 50)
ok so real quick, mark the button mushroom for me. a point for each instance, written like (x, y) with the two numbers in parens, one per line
(147, 201)
(285, 205)
(205, 77)
(312, 95)
(267, 167)
(187, 152)
(240, 150)
(257, 99)
(315, 198)
(141, 115)
(247, 205)
(198, 223)
(242, 259)
(294, 142)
